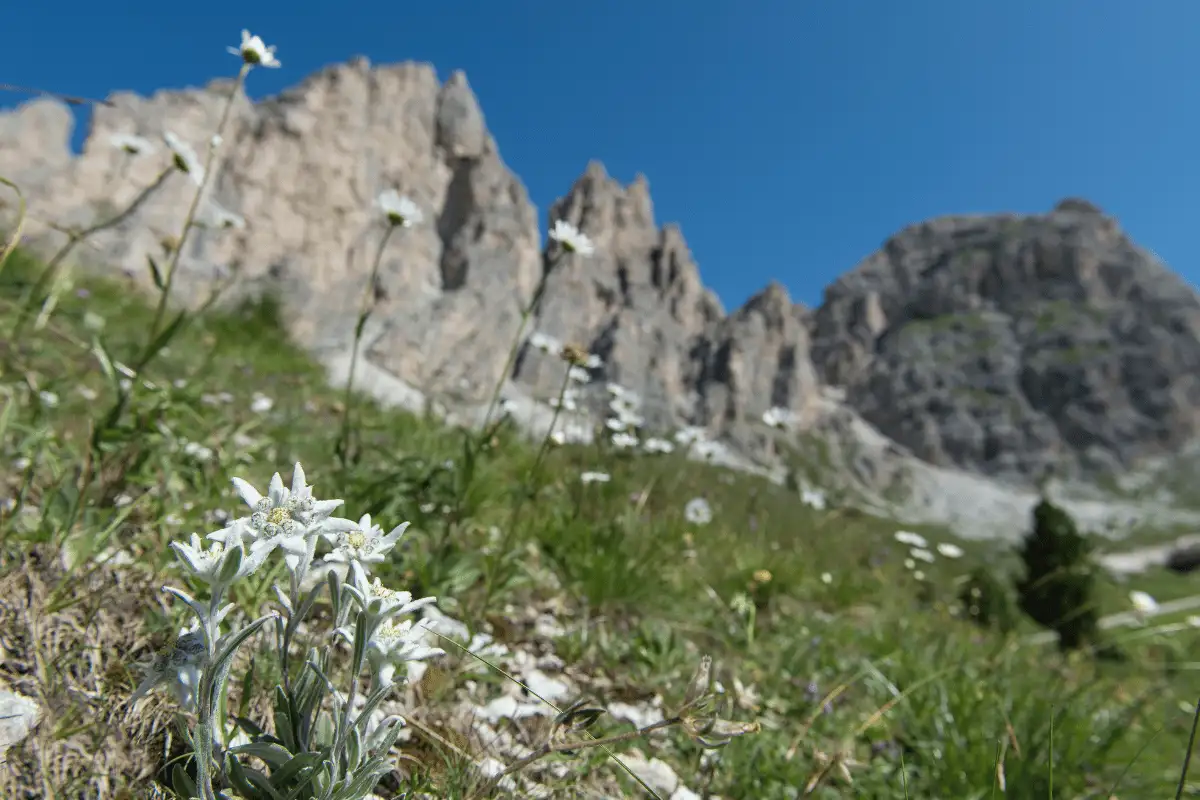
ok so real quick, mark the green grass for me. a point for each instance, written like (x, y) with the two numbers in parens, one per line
(847, 655)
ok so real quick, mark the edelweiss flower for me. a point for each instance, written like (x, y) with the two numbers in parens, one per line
(186, 160)
(253, 51)
(571, 239)
(361, 543)
(132, 144)
(698, 511)
(400, 211)
(396, 643)
(179, 667)
(205, 563)
(283, 518)
(378, 601)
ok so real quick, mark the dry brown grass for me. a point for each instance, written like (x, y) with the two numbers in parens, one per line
(70, 642)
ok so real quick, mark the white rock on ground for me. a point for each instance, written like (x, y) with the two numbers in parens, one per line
(18, 716)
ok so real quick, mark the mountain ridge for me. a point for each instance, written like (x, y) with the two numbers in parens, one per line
(1010, 347)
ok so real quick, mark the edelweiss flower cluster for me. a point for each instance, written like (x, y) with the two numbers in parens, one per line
(293, 522)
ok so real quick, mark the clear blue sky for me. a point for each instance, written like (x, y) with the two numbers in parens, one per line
(788, 137)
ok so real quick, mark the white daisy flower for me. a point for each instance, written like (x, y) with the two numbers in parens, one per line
(253, 51)
(571, 239)
(399, 210)
(624, 441)
(186, 160)
(578, 375)
(698, 511)
(132, 144)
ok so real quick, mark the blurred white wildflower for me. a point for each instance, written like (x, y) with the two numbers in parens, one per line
(813, 498)
(950, 550)
(399, 210)
(911, 539)
(49, 399)
(780, 418)
(922, 554)
(260, 403)
(624, 441)
(741, 604)
(826, 578)
(254, 51)
(179, 667)
(1143, 604)
(657, 445)
(132, 144)
(595, 477)
(698, 511)
(546, 343)
(690, 434)
(578, 375)
(185, 158)
(572, 240)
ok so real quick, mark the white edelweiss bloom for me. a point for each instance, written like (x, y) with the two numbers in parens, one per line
(178, 666)
(377, 600)
(284, 518)
(950, 550)
(911, 539)
(132, 144)
(205, 563)
(546, 343)
(399, 210)
(185, 158)
(698, 511)
(253, 51)
(595, 477)
(571, 239)
(362, 543)
(578, 375)
(624, 441)
(395, 643)
(779, 417)
(1143, 603)
(922, 554)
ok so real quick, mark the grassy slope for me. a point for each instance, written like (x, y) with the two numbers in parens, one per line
(929, 701)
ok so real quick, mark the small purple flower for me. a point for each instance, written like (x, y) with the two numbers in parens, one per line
(82, 293)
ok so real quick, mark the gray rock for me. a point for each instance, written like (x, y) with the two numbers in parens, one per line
(18, 717)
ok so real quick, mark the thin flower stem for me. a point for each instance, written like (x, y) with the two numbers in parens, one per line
(526, 315)
(77, 237)
(190, 220)
(364, 313)
(519, 505)
(566, 747)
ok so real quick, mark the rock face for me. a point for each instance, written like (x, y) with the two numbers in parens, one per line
(1010, 346)
(1016, 345)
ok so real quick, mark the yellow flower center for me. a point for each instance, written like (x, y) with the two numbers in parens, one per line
(278, 516)
(356, 539)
